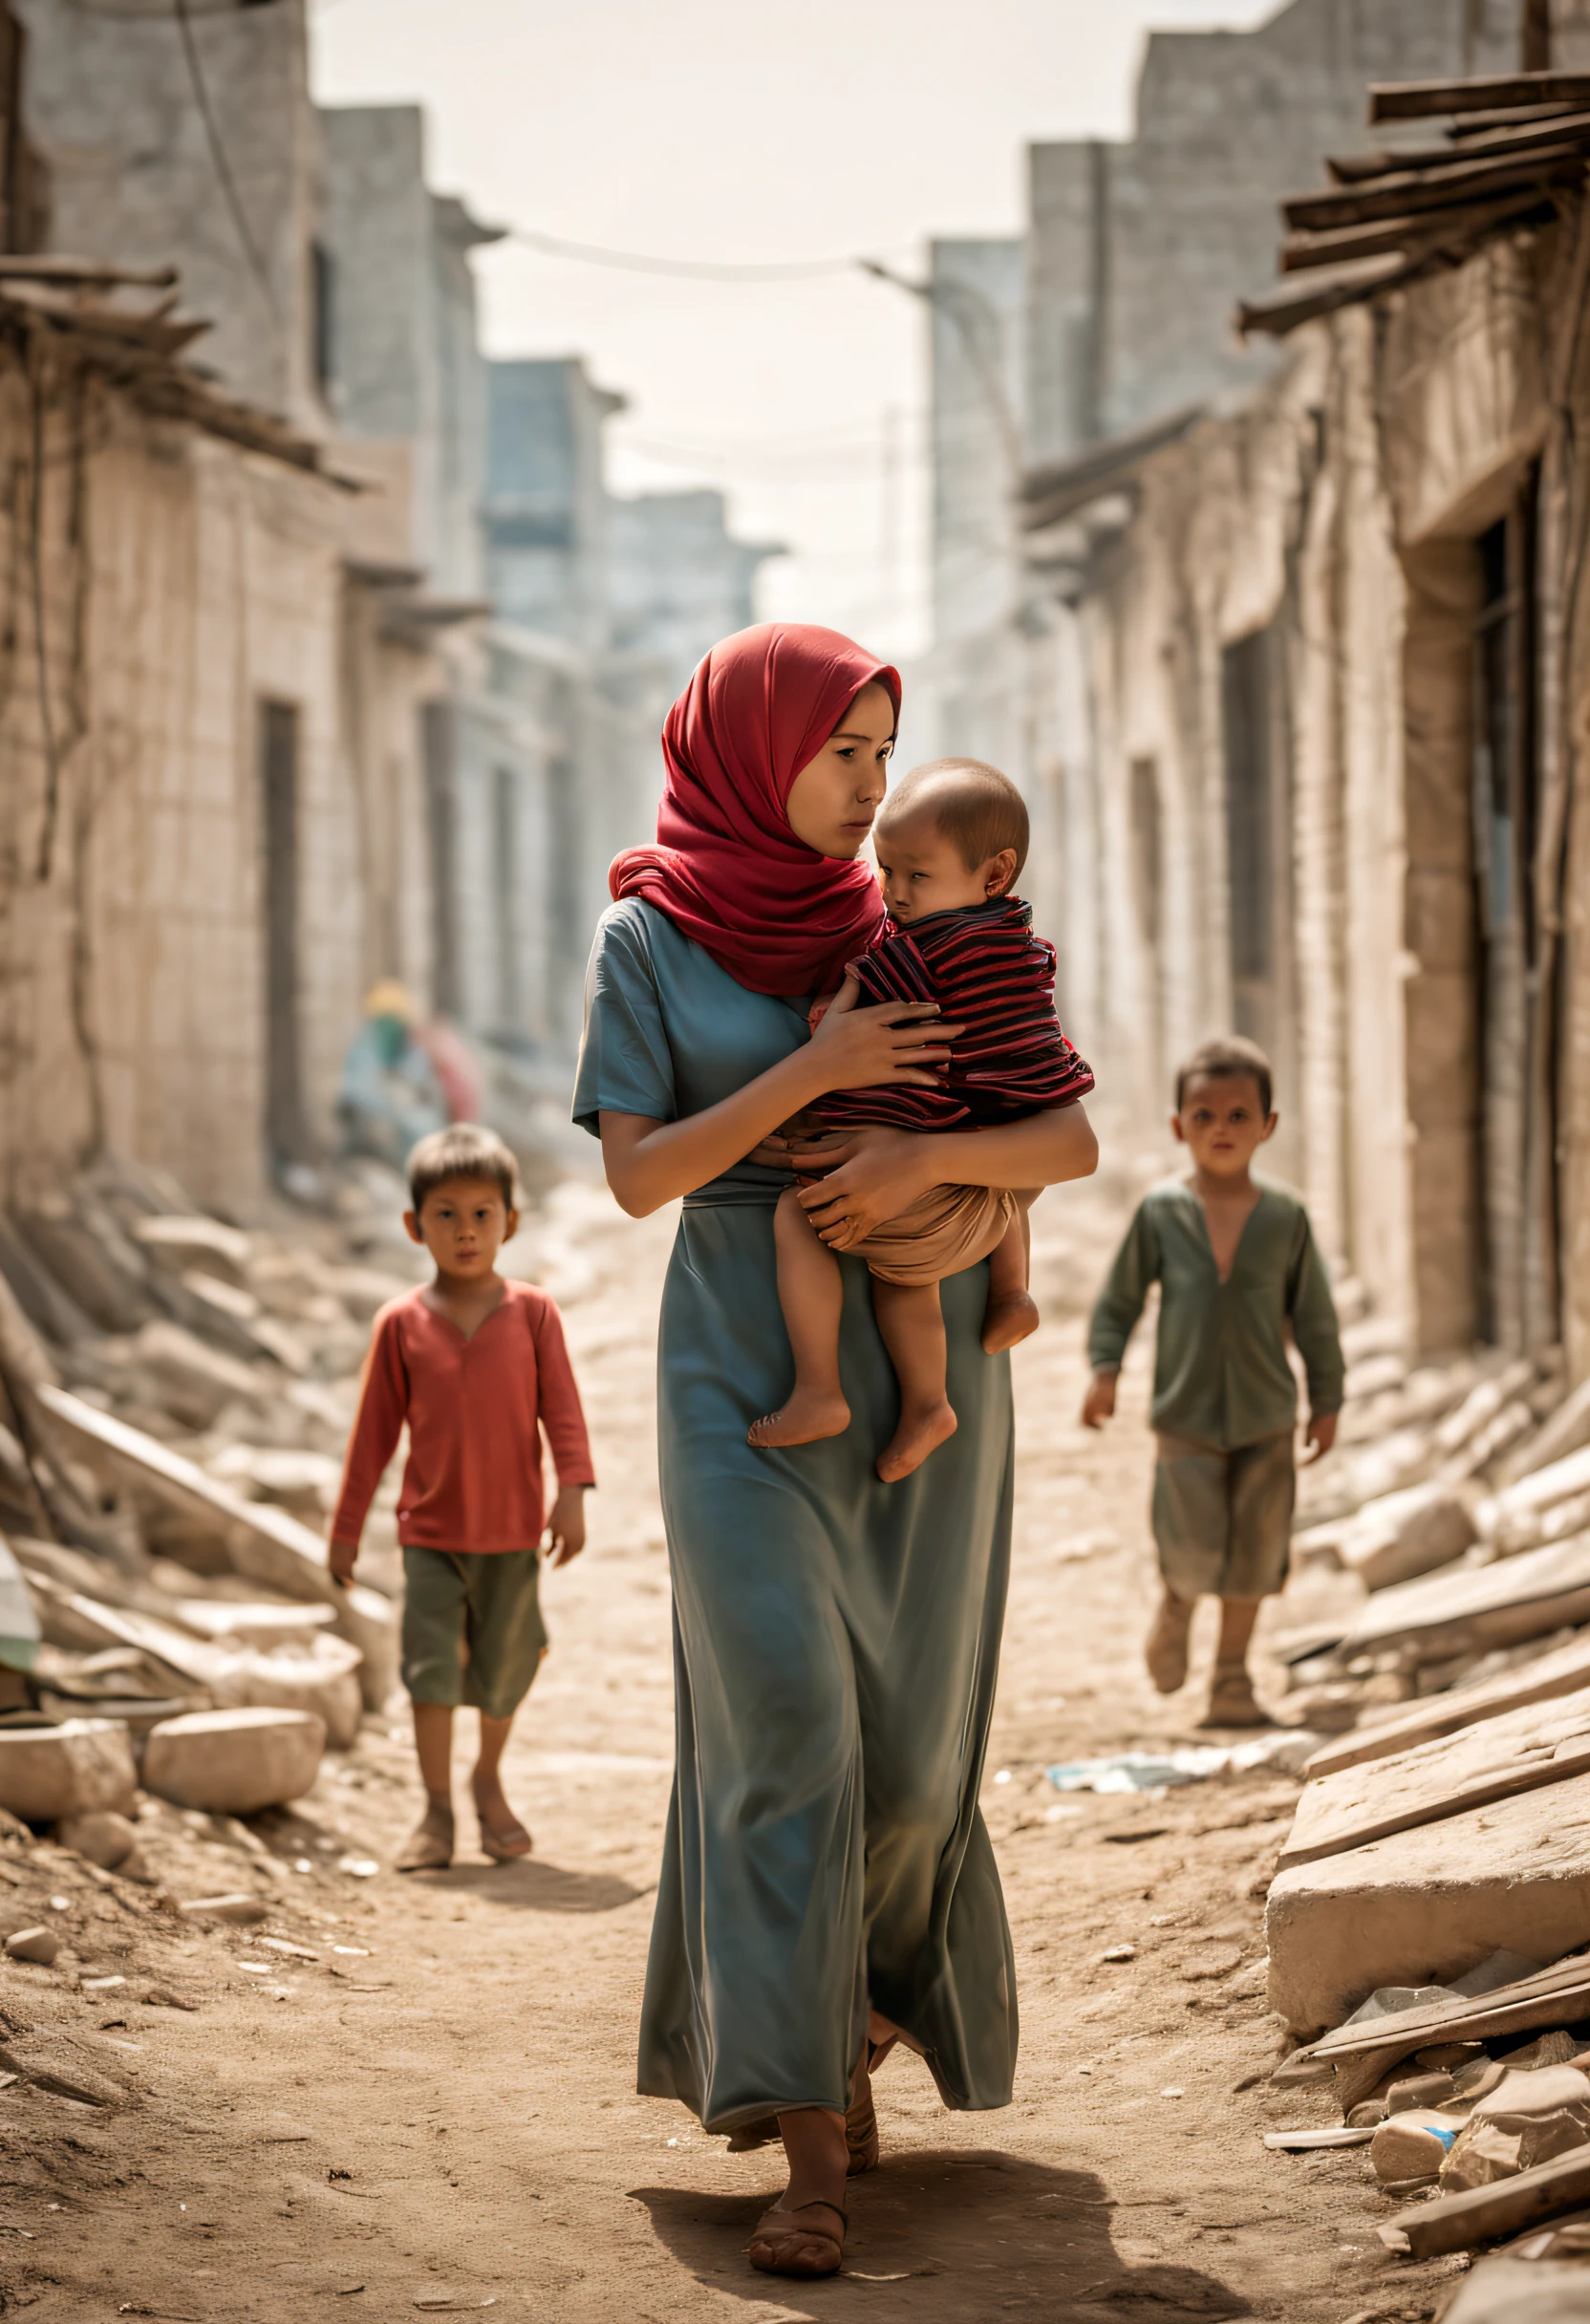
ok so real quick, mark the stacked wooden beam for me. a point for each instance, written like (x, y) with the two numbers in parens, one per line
(1513, 148)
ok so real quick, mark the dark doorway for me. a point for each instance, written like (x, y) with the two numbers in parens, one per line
(1519, 1304)
(436, 736)
(283, 1100)
(1258, 844)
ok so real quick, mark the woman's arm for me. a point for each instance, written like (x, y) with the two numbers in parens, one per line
(881, 1172)
(649, 1163)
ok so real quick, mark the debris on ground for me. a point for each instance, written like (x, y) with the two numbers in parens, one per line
(1440, 1849)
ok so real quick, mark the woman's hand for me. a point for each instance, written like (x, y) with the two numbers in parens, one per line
(858, 1047)
(872, 1175)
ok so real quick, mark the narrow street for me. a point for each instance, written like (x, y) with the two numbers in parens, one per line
(442, 2116)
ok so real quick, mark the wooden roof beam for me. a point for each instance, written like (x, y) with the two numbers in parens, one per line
(1352, 169)
(1413, 100)
(1422, 234)
(1409, 190)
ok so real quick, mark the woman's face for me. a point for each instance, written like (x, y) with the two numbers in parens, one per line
(835, 796)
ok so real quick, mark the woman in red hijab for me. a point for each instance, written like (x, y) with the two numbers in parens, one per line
(828, 1887)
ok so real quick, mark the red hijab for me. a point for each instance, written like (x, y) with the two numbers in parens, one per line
(726, 868)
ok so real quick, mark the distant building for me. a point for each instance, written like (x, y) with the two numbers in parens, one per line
(677, 580)
(1112, 314)
(421, 735)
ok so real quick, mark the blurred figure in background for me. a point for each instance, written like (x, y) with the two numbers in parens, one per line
(391, 1094)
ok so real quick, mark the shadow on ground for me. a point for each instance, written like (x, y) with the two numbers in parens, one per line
(531, 1885)
(934, 2236)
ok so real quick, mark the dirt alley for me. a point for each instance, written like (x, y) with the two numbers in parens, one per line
(442, 2115)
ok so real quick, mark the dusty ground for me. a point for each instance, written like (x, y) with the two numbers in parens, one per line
(441, 2113)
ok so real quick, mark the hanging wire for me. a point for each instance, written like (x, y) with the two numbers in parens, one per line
(636, 261)
(218, 155)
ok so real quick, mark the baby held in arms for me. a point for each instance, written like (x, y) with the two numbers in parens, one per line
(950, 840)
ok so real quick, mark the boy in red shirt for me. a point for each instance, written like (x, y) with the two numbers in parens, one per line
(478, 1369)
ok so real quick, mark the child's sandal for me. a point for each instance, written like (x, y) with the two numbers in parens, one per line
(429, 1847)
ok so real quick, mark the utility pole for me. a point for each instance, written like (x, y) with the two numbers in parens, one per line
(1536, 37)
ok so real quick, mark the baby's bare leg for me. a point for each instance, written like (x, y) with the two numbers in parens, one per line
(911, 1323)
(811, 1293)
(1011, 1315)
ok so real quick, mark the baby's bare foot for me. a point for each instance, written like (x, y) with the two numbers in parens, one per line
(805, 1420)
(919, 1434)
(1009, 1321)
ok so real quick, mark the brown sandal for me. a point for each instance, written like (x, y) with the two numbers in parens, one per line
(783, 2245)
(503, 1848)
(429, 1847)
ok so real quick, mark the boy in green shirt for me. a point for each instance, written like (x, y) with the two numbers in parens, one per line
(1235, 1263)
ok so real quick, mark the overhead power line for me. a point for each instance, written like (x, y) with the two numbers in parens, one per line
(693, 270)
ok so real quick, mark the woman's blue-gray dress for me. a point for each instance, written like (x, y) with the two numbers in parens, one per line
(836, 1639)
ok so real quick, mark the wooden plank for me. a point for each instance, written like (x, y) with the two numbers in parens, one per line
(1414, 101)
(1417, 238)
(1410, 191)
(1563, 1672)
(1276, 315)
(1456, 2223)
(1555, 1997)
(1520, 1751)
(1353, 168)
(1483, 1605)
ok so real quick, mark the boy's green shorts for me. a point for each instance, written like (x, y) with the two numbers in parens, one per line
(1222, 1520)
(472, 1627)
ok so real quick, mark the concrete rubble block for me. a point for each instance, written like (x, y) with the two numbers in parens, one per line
(36, 1944)
(49, 1772)
(227, 1622)
(1405, 1533)
(1508, 2291)
(198, 1242)
(237, 1911)
(234, 1762)
(103, 1837)
(322, 1676)
(1565, 1671)
(1520, 1751)
(195, 1381)
(1506, 1517)
(1478, 1608)
(1424, 1906)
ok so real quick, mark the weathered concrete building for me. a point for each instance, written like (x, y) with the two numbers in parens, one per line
(171, 726)
(389, 775)
(1111, 314)
(1318, 685)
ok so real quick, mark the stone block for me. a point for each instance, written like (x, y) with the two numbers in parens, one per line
(234, 1762)
(37, 1943)
(1424, 1906)
(197, 1381)
(324, 1679)
(47, 1773)
(1406, 1533)
(106, 1839)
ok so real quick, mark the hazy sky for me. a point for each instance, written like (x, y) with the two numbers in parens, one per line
(745, 132)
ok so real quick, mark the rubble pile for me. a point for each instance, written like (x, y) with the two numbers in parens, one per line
(174, 1392)
(1429, 1927)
